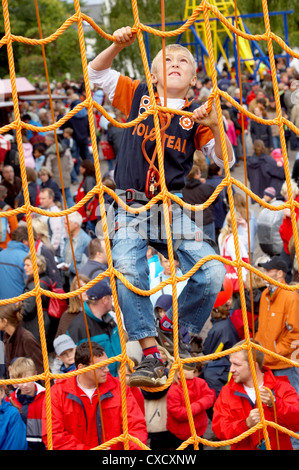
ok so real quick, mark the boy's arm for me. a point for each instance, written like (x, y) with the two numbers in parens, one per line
(203, 117)
(124, 37)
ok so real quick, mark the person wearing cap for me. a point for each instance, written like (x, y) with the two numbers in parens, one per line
(65, 349)
(165, 338)
(268, 223)
(102, 327)
(278, 325)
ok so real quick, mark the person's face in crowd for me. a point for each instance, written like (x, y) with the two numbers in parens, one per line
(27, 388)
(8, 174)
(267, 198)
(48, 141)
(37, 154)
(44, 177)
(97, 375)
(44, 200)
(166, 266)
(28, 268)
(68, 357)
(258, 112)
(258, 149)
(274, 274)
(161, 312)
(239, 368)
(73, 226)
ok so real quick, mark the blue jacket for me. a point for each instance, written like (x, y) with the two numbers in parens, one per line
(12, 428)
(221, 337)
(12, 269)
(103, 331)
(83, 242)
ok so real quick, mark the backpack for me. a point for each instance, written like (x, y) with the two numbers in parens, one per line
(4, 224)
(56, 306)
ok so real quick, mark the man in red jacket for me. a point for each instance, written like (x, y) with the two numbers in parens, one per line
(77, 422)
(236, 411)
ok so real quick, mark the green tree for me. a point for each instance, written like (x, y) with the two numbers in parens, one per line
(62, 54)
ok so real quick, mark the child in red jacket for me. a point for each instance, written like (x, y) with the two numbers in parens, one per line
(201, 399)
(29, 398)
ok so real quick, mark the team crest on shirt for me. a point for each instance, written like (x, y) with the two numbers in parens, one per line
(145, 104)
(186, 123)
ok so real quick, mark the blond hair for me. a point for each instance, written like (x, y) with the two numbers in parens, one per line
(172, 47)
(284, 189)
(41, 229)
(40, 261)
(75, 301)
(20, 366)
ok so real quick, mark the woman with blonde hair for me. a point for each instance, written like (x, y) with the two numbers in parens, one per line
(44, 248)
(240, 206)
(41, 230)
(29, 305)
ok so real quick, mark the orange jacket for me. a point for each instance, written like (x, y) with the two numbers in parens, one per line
(278, 328)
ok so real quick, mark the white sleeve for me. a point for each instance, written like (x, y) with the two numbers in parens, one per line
(105, 79)
(209, 151)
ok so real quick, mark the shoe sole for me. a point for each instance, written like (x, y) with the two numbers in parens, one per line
(143, 381)
(186, 366)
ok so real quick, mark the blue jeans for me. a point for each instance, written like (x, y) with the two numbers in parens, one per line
(129, 248)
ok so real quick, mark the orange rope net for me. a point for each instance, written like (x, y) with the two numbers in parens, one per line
(203, 10)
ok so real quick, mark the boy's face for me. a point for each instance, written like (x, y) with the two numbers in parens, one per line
(68, 357)
(36, 153)
(29, 387)
(44, 177)
(179, 74)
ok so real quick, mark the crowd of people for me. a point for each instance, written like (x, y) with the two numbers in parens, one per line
(70, 251)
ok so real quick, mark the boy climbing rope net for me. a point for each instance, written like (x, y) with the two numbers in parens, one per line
(137, 181)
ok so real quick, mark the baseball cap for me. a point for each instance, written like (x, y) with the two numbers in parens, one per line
(275, 263)
(63, 343)
(164, 302)
(99, 290)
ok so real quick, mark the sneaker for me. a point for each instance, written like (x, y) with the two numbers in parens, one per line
(149, 373)
(165, 340)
